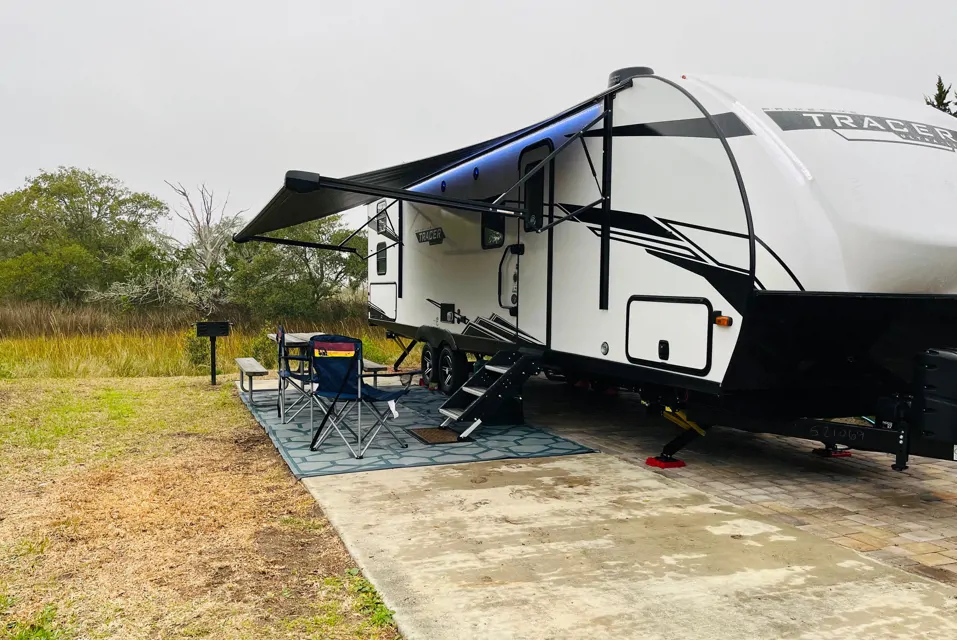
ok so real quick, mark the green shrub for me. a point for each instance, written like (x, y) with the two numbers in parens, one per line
(196, 349)
(264, 350)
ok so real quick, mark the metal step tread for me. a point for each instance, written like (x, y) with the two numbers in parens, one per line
(494, 368)
(475, 391)
(451, 413)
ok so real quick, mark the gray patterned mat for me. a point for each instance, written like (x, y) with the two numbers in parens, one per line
(419, 408)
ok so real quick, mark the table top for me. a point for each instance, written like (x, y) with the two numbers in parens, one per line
(298, 340)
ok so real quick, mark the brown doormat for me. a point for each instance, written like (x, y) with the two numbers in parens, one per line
(432, 435)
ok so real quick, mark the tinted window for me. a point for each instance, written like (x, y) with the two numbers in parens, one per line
(380, 259)
(534, 199)
(493, 230)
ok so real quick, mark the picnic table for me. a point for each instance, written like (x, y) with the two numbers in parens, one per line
(301, 341)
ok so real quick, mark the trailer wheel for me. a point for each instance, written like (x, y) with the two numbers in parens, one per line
(452, 371)
(428, 364)
(554, 376)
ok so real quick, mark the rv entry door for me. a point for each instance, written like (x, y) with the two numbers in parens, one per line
(533, 275)
(508, 278)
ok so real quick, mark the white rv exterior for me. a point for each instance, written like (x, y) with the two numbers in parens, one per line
(841, 191)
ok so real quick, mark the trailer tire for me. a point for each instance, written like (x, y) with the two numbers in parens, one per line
(428, 364)
(554, 376)
(452, 370)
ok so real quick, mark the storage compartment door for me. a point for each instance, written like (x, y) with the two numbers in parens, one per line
(382, 300)
(670, 333)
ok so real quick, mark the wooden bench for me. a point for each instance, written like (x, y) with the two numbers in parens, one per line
(249, 368)
(368, 366)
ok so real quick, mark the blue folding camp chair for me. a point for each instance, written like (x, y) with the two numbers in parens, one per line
(293, 373)
(338, 390)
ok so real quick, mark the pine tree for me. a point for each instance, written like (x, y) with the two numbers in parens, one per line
(941, 98)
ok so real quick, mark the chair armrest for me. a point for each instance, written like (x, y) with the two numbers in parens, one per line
(297, 358)
(392, 374)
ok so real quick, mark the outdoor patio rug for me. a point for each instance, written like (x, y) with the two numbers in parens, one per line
(416, 410)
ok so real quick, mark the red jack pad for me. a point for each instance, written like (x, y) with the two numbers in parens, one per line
(674, 463)
(825, 453)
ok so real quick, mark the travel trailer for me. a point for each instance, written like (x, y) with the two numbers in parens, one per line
(763, 255)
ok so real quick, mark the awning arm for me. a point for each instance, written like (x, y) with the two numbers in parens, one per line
(366, 224)
(299, 243)
(541, 165)
(381, 250)
(571, 216)
(305, 182)
(591, 164)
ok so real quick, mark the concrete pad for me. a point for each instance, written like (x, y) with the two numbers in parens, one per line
(590, 546)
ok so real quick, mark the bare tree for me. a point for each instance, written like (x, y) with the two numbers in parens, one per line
(209, 224)
(211, 229)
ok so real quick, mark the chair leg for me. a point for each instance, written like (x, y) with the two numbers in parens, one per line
(385, 423)
(381, 421)
(359, 431)
(303, 395)
(281, 401)
(333, 418)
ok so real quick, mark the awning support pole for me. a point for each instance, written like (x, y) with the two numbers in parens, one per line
(604, 267)
(380, 250)
(594, 174)
(302, 243)
(361, 227)
(420, 198)
(367, 223)
(571, 216)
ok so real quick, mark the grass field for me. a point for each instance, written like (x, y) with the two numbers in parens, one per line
(157, 508)
(132, 352)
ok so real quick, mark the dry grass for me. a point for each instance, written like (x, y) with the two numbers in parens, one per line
(28, 319)
(25, 319)
(140, 353)
(157, 508)
(49, 341)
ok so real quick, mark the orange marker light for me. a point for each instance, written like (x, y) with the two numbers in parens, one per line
(723, 321)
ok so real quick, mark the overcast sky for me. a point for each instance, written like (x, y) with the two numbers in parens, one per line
(235, 93)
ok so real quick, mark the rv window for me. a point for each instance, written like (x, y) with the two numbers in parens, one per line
(380, 224)
(380, 259)
(534, 199)
(493, 230)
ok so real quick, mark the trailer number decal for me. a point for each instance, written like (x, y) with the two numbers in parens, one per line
(845, 433)
(432, 236)
(858, 127)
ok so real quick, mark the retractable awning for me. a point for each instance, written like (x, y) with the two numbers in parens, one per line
(307, 196)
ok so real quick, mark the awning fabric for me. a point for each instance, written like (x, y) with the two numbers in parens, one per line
(290, 206)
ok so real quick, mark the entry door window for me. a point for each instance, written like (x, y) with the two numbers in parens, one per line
(493, 230)
(534, 198)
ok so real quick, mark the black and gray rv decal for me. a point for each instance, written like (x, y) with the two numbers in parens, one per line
(856, 127)
(375, 313)
(669, 240)
(495, 327)
(728, 123)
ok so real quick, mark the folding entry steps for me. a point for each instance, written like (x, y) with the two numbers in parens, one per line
(493, 394)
